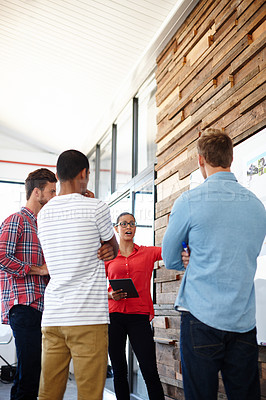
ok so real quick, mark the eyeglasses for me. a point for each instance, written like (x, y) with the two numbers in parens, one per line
(124, 224)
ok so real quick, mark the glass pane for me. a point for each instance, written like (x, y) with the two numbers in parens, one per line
(124, 147)
(105, 168)
(92, 161)
(144, 205)
(123, 205)
(144, 213)
(147, 127)
(12, 197)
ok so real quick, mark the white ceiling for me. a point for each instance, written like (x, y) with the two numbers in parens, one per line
(66, 66)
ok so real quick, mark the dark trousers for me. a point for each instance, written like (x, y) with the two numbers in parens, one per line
(205, 351)
(137, 328)
(25, 322)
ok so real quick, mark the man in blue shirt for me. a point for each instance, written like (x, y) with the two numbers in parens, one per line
(224, 225)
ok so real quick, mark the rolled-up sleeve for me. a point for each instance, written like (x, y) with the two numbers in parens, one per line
(10, 235)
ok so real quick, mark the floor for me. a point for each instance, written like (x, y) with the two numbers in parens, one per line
(71, 391)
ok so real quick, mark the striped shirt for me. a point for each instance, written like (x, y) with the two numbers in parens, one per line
(19, 249)
(70, 228)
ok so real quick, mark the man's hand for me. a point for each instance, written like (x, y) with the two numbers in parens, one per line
(117, 295)
(185, 258)
(106, 252)
(34, 270)
(88, 193)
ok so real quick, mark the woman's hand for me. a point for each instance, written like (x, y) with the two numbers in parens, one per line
(117, 295)
(88, 193)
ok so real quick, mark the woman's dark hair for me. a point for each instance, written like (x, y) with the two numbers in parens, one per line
(122, 214)
(70, 163)
(38, 179)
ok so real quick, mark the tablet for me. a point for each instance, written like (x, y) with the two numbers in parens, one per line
(126, 284)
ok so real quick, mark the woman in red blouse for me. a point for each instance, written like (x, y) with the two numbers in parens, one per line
(131, 317)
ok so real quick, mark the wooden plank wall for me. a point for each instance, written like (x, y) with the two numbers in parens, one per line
(212, 73)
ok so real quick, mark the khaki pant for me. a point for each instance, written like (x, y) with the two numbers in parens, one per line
(87, 346)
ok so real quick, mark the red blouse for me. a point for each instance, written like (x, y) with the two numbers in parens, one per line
(138, 266)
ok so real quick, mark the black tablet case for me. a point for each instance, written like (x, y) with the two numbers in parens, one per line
(126, 284)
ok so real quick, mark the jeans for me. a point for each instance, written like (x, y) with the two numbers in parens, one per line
(205, 351)
(137, 327)
(25, 322)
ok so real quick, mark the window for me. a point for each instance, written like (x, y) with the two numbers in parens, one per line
(147, 126)
(105, 168)
(13, 197)
(124, 147)
(144, 214)
(124, 204)
(92, 161)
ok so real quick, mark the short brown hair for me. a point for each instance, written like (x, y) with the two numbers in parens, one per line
(216, 147)
(38, 179)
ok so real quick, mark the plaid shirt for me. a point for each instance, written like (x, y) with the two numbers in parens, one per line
(19, 249)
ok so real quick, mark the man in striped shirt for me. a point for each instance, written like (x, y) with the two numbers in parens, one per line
(24, 276)
(71, 228)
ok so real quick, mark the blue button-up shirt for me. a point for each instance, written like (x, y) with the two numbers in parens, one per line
(224, 225)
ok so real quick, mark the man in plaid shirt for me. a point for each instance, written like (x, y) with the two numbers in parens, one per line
(24, 276)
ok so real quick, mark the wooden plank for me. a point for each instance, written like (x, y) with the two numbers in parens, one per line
(167, 125)
(219, 67)
(237, 94)
(207, 112)
(188, 167)
(162, 171)
(259, 31)
(237, 45)
(250, 19)
(263, 370)
(171, 287)
(165, 206)
(180, 127)
(176, 277)
(163, 108)
(161, 311)
(249, 53)
(168, 334)
(165, 61)
(161, 222)
(164, 341)
(166, 371)
(166, 298)
(169, 49)
(248, 124)
(182, 140)
(200, 47)
(204, 26)
(169, 83)
(166, 275)
(167, 354)
(172, 382)
(170, 186)
(226, 14)
(161, 322)
(254, 98)
(211, 96)
(159, 237)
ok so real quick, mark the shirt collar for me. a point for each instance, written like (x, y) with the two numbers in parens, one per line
(28, 212)
(221, 176)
